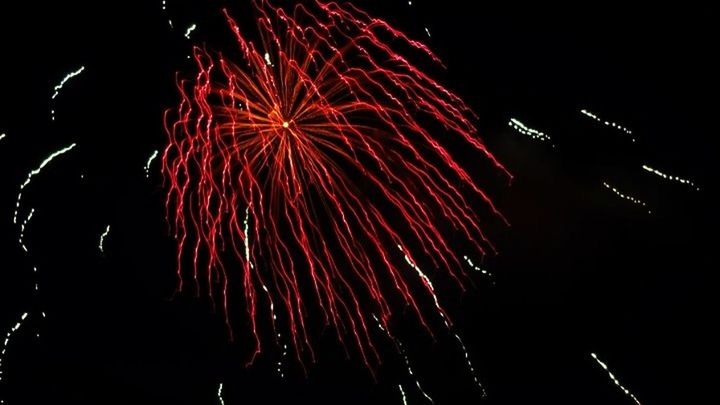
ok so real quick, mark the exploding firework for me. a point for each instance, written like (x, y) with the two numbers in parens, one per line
(298, 171)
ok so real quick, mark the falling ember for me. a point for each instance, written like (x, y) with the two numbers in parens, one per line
(614, 379)
(101, 244)
(2, 136)
(525, 130)
(6, 342)
(607, 123)
(336, 146)
(60, 86)
(190, 30)
(670, 177)
(149, 162)
(220, 394)
(626, 197)
(35, 172)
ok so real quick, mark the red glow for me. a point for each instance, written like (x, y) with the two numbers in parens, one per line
(328, 149)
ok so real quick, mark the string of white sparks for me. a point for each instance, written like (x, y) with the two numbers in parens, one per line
(670, 177)
(476, 268)
(36, 172)
(164, 8)
(614, 379)
(60, 86)
(525, 130)
(104, 235)
(22, 230)
(190, 30)
(149, 162)
(220, 394)
(608, 123)
(7, 342)
(402, 394)
(626, 197)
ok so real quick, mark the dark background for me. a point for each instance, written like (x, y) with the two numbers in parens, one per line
(579, 270)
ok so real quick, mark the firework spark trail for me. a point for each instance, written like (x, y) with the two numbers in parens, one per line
(670, 177)
(22, 230)
(60, 86)
(190, 30)
(149, 162)
(525, 130)
(401, 350)
(2, 136)
(338, 115)
(476, 268)
(608, 123)
(626, 197)
(402, 394)
(164, 8)
(36, 172)
(220, 394)
(101, 244)
(614, 379)
(7, 342)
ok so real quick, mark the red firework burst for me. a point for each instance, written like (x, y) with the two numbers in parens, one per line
(301, 170)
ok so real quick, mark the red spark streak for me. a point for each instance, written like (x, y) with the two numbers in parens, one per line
(329, 151)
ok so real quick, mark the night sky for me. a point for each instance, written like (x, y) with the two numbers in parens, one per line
(579, 271)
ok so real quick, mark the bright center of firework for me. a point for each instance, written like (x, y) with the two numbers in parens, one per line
(286, 124)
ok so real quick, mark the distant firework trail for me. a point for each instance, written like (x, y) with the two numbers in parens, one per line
(299, 171)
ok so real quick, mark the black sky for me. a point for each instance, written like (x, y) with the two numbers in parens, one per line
(579, 270)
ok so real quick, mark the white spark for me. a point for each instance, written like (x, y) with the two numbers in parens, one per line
(608, 123)
(476, 268)
(219, 394)
(267, 59)
(164, 7)
(525, 130)
(190, 30)
(149, 161)
(2, 136)
(614, 379)
(427, 31)
(670, 177)
(35, 172)
(626, 197)
(7, 341)
(402, 393)
(473, 374)
(22, 229)
(65, 79)
(102, 239)
(401, 350)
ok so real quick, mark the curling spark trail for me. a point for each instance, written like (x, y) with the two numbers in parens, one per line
(35, 172)
(102, 239)
(65, 79)
(401, 350)
(7, 341)
(525, 130)
(219, 394)
(476, 268)
(608, 123)
(626, 197)
(614, 379)
(22, 230)
(402, 394)
(149, 161)
(670, 177)
(190, 30)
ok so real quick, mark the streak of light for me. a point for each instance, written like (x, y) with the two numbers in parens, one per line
(267, 59)
(626, 197)
(427, 31)
(402, 352)
(34, 173)
(525, 130)
(402, 394)
(65, 79)
(2, 136)
(670, 177)
(104, 235)
(476, 268)
(7, 342)
(614, 379)
(190, 30)
(470, 366)
(219, 394)
(608, 123)
(22, 230)
(149, 161)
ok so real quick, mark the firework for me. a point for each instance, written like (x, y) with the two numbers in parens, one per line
(630, 198)
(336, 147)
(59, 87)
(101, 244)
(670, 177)
(525, 130)
(608, 123)
(152, 157)
(614, 379)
